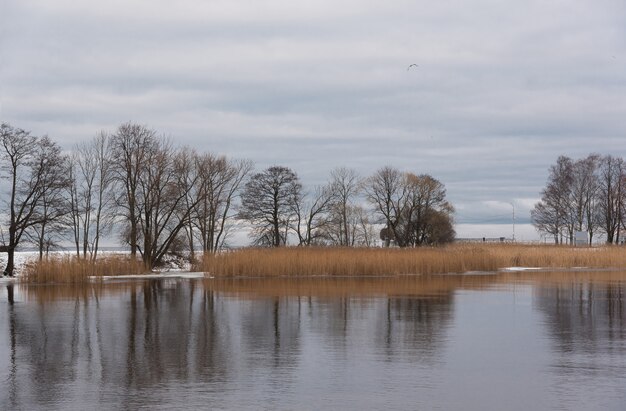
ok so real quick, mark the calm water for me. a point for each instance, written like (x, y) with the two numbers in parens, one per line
(512, 341)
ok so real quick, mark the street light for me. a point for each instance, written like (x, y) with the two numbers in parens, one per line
(513, 205)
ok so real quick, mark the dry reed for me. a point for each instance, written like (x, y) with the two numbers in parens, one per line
(311, 262)
(70, 269)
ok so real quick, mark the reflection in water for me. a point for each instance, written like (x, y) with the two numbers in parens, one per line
(121, 346)
(287, 344)
(584, 316)
(586, 324)
(12, 379)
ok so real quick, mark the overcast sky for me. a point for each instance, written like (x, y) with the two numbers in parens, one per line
(501, 88)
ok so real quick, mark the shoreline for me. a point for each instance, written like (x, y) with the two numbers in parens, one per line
(328, 262)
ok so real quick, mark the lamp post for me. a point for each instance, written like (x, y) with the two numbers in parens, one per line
(513, 205)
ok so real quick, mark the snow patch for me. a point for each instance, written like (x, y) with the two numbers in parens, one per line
(156, 276)
(520, 269)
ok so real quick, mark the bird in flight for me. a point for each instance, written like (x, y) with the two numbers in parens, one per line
(411, 65)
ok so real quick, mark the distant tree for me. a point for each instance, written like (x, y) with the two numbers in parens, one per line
(362, 232)
(427, 213)
(386, 191)
(409, 206)
(552, 215)
(270, 202)
(345, 185)
(439, 228)
(546, 219)
(611, 195)
(585, 191)
(28, 169)
(312, 216)
(219, 183)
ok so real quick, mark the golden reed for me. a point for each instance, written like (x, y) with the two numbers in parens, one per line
(344, 262)
(70, 269)
(461, 258)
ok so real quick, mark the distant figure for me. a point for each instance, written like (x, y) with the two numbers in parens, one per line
(411, 65)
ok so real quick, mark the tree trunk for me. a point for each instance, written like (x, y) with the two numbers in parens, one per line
(8, 271)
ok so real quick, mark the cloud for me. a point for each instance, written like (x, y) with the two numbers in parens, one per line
(501, 89)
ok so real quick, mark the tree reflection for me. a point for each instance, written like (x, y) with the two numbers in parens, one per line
(12, 380)
(584, 316)
(416, 326)
(120, 346)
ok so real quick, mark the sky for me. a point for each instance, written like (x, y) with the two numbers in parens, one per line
(501, 88)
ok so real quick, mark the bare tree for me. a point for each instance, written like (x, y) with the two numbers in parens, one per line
(345, 186)
(27, 171)
(312, 215)
(387, 192)
(585, 190)
(189, 179)
(409, 206)
(162, 190)
(362, 232)
(546, 220)
(270, 202)
(611, 196)
(219, 182)
(91, 193)
(552, 215)
(52, 205)
(132, 145)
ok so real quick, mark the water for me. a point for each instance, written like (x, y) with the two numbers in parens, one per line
(511, 341)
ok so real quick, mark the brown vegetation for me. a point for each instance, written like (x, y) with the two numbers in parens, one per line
(70, 269)
(308, 262)
(303, 262)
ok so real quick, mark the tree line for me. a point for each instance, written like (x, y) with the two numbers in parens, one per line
(588, 194)
(159, 198)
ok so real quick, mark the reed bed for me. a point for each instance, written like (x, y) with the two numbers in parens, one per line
(347, 262)
(70, 269)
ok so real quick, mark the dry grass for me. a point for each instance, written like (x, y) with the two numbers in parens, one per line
(69, 269)
(310, 262)
(344, 262)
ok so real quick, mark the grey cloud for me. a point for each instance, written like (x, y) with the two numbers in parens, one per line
(501, 89)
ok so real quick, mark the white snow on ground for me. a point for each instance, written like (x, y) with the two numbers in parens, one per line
(169, 275)
(21, 258)
(520, 269)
